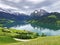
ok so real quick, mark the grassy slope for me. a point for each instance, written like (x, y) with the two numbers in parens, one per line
(6, 40)
(5, 36)
(52, 40)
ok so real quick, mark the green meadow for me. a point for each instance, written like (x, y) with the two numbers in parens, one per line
(50, 40)
(7, 38)
(7, 35)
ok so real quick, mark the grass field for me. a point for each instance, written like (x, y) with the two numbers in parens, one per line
(7, 35)
(50, 40)
(6, 39)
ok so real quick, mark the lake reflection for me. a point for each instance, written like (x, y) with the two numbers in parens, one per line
(37, 29)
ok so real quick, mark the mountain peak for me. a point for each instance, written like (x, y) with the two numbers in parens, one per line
(40, 13)
(42, 10)
(36, 11)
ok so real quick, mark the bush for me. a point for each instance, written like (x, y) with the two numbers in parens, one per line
(27, 36)
(6, 30)
(43, 35)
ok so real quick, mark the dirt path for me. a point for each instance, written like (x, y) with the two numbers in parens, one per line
(24, 40)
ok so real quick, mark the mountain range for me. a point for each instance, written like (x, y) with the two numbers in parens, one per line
(12, 14)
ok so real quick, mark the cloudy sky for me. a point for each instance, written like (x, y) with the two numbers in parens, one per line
(28, 6)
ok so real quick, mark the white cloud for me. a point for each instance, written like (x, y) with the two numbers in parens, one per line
(6, 6)
(55, 7)
(26, 7)
(30, 5)
(35, 1)
(15, 1)
(3, 6)
(20, 11)
(56, 4)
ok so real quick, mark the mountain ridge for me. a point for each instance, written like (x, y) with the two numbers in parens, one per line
(21, 16)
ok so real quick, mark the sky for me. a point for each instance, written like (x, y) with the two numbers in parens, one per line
(28, 6)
